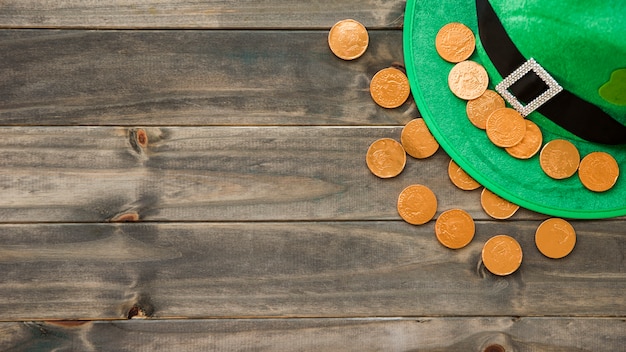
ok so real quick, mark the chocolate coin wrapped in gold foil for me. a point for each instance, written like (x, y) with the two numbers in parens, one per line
(559, 159)
(502, 255)
(348, 39)
(390, 88)
(529, 145)
(385, 158)
(468, 80)
(495, 206)
(505, 127)
(417, 139)
(555, 238)
(455, 42)
(598, 171)
(479, 109)
(454, 228)
(417, 204)
(460, 178)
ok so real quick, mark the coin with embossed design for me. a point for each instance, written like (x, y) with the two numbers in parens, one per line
(479, 109)
(502, 255)
(455, 42)
(555, 238)
(495, 206)
(417, 204)
(348, 39)
(505, 127)
(530, 144)
(460, 178)
(598, 171)
(385, 158)
(468, 80)
(455, 228)
(390, 88)
(559, 159)
(417, 139)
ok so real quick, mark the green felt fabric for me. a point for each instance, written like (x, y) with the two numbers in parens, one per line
(578, 44)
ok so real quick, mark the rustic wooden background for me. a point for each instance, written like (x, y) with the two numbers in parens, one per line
(190, 175)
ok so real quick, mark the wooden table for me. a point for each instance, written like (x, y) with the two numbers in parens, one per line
(190, 176)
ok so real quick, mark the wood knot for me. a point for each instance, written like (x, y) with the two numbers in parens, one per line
(135, 312)
(142, 138)
(140, 312)
(138, 138)
(130, 216)
(141, 309)
(494, 348)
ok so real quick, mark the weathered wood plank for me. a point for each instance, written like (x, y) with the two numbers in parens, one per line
(342, 335)
(198, 14)
(298, 269)
(191, 78)
(83, 174)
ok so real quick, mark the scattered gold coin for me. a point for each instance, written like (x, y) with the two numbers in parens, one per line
(460, 178)
(559, 159)
(505, 127)
(390, 88)
(348, 39)
(417, 204)
(385, 158)
(502, 255)
(417, 139)
(530, 144)
(468, 80)
(455, 42)
(495, 206)
(555, 238)
(455, 228)
(598, 171)
(479, 109)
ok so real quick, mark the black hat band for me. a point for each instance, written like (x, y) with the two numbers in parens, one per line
(570, 112)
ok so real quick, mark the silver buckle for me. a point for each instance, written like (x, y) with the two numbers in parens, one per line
(530, 65)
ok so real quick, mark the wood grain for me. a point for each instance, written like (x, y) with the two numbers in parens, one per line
(191, 78)
(177, 188)
(95, 174)
(198, 14)
(341, 335)
(298, 269)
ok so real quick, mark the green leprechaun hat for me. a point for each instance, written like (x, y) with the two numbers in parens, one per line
(561, 64)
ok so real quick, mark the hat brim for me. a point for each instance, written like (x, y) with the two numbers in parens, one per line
(522, 182)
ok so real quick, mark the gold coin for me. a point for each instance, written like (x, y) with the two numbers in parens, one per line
(468, 80)
(530, 144)
(385, 158)
(455, 42)
(598, 171)
(417, 139)
(495, 206)
(417, 204)
(455, 228)
(555, 238)
(479, 109)
(390, 88)
(505, 127)
(348, 39)
(460, 178)
(502, 255)
(559, 159)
